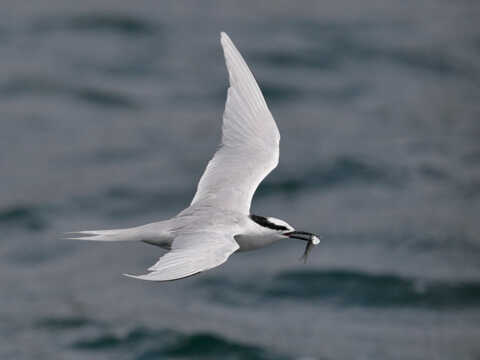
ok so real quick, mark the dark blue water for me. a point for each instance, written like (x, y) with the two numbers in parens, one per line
(109, 112)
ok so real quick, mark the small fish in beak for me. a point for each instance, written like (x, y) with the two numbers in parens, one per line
(310, 238)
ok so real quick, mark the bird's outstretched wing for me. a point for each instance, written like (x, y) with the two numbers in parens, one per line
(190, 254)
(250, 141)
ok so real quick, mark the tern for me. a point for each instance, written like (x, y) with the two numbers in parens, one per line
(218, 221)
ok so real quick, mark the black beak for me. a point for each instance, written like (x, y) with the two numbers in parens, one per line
(303, 235)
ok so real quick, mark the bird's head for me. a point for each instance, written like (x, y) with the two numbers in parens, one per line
(281, 229)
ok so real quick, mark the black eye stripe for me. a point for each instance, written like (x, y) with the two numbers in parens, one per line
(263, 221)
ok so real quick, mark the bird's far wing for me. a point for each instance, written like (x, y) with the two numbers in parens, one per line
(250, 141)
(190, 254)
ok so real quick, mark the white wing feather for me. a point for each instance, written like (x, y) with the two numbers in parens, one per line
(250, 141)
(191, 253)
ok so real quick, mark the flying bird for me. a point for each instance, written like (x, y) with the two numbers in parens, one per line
(218, 221)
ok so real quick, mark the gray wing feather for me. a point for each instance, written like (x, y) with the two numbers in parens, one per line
(250, 141)
(191, 254)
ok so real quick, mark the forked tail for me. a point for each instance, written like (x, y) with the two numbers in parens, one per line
(105, 235)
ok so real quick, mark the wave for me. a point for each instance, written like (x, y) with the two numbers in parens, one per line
(276, 92)
(346, 288)
(23, 216)
(64, 323)
(108, 340)
(103, 97)
(31, 85)
(206, 345)
(334, 44)
(339, 171)
(124, 24)
(154, 344)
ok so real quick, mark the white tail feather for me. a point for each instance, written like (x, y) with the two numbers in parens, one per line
(104, 235)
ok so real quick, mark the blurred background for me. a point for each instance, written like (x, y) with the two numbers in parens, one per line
(110, 111)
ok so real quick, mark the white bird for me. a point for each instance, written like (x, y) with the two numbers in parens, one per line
(218, 221)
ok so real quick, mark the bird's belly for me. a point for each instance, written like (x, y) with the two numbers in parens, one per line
(156, 234)
(247, 242)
